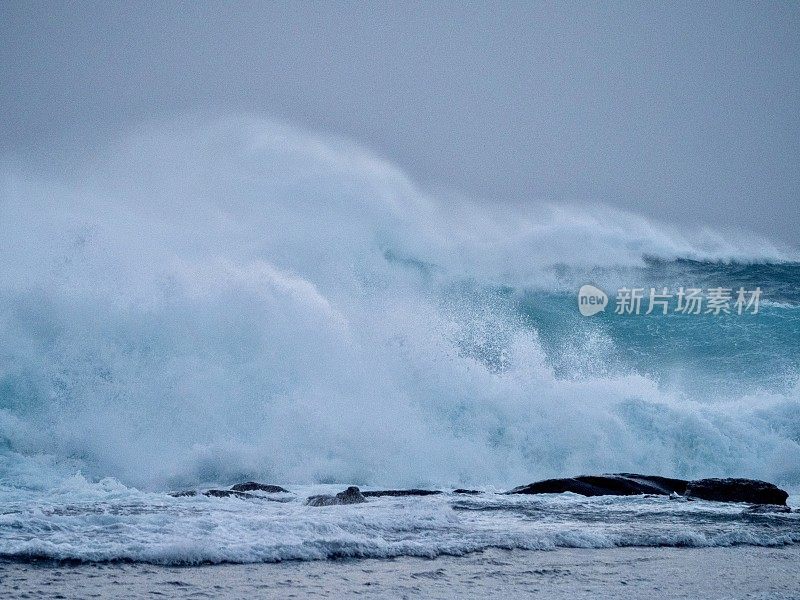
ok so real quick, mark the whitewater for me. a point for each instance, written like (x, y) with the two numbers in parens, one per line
(209, 301)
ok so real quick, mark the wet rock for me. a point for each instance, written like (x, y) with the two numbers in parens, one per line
(752, 491)
(619, 484)
(411, 492)
(227, 494)
(467, 492)
(627, 484)
(252, 486)
(183, 494)
(351, 495)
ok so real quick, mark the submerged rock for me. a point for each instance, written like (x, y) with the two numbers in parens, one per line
(411, 492)
(619, 484)
(227, 494)
(767, 508)
(232, 493)
(183, 493)
(351, 495)
(240, 490)
(252, 486)
(737, 490)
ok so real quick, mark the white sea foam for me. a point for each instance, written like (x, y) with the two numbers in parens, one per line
(106, 521)
(227, 299)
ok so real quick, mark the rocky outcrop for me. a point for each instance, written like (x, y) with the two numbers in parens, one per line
(240, 490)
(627, 484)
(410, 492)
(351, 495)
(737, 490)
(750, 491)
(252, 486)
(227, 494)
(619, 484)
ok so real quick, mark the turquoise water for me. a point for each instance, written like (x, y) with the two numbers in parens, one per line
(705, 355)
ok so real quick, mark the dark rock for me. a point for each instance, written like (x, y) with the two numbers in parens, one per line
(467, 492)
(737, 490)
(411, 492)
(767, 508)
(227, 494)
(351, 495)
(663, 485)
(252, 486)
(627, 484)
(620, 484)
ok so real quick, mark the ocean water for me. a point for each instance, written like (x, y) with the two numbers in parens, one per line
(730, 573)
(208, 302)
(102, 522)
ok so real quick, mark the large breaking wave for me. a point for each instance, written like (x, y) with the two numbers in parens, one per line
(212, 301)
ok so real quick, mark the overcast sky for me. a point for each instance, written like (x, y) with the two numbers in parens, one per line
(688, 112)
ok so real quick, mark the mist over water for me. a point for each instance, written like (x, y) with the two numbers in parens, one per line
(214, 300)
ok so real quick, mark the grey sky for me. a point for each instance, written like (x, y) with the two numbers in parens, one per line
(689, 112)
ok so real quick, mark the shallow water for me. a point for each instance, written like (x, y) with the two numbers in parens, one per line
(731, 573)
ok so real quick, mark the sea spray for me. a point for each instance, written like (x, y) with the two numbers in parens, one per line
(209, 301)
